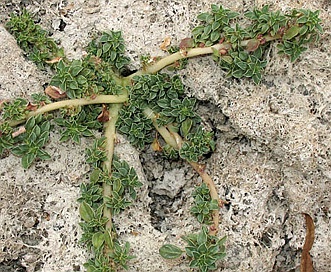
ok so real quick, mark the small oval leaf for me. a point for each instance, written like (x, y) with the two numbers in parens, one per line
(108, 239)
(169, 251)
(291, 32)
(86, 212)
(98, 239)
(186, 127)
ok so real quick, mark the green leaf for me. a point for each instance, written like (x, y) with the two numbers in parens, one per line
(30, 123)
(207, 30)
(74, 70)
(216, 25)
(163, 103)
(202, 236)
(117, 185)
(113, 55)
(238, 73)
(73, 85)
(291, 32)
(186, 127)
(169, 251)
(94, 177)
(20, 150)
(99, 53)
(43, 155)
(86, 212)
(28, 159)
(215, 36)
(108, 239)
(106, 47)
(197, 30)
(98, 240)
(81, 80)
(105, 38)
(203, 16)
(264, 28)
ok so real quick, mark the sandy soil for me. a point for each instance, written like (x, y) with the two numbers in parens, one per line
(272, 161)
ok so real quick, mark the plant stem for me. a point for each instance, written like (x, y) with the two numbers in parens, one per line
(209, 182)
(213, 194)
(189, 53)
(110, 135)
(164, 132)
(176, 141)
(99, 99)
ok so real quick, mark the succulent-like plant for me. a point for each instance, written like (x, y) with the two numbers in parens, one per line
(93, 94)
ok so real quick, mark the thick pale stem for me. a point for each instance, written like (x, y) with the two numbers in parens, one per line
(99, 99)
(189, 53)
(164, 132)
(192, 52)
(110, 134)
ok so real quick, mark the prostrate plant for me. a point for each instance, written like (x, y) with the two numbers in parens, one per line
(100, 97)
(38, 47)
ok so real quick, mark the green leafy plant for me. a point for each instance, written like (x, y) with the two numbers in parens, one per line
(149, 107)
(34, 40)
(203, 204)
(203, 250)
(33, 139)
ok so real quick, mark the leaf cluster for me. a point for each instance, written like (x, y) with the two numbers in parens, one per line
(235, 35)
(266, 21)
(135, 125)
(304, 27)
(164, 95)
(15, 110)
(198, 142)
(124, 182)
(78, 124)
(156, 92)
(212, 25)
(296, 28)
(241, 64)
(40, 99)
(97, 237)
(87, 77)
(94, 222)
(96, 155)
(203, 250)
(6, 139)
(30, 143)
(119, 256)
(203, 204)
(110, 48)
(33, 39)
(242, 55)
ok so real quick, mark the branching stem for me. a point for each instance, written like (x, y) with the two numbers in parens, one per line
(99, 99)
(164, 132)
(175, 140)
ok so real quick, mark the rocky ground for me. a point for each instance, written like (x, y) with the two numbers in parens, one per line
(272, 161)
